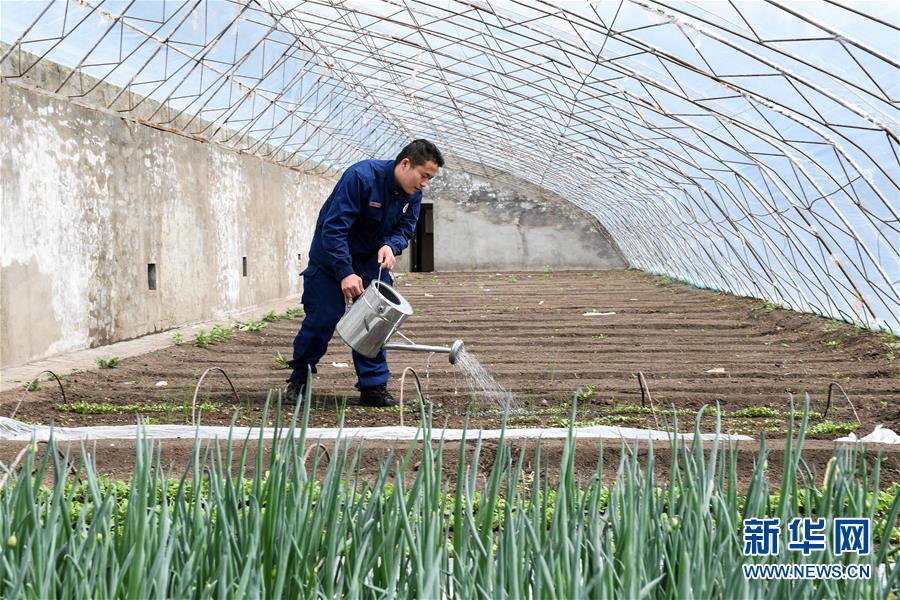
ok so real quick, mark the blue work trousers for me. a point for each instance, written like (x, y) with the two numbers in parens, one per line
(324, 305)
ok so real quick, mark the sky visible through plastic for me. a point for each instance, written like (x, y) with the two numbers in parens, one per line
(745, 146)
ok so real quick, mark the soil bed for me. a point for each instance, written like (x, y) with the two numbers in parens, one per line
(116, 458)
(694, 347)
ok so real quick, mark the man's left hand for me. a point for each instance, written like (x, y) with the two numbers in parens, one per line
(386, 257)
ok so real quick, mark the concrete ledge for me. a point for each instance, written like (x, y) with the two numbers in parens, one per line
(86, 360)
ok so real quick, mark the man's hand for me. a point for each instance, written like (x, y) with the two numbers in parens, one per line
(386, 257)
(351, 286)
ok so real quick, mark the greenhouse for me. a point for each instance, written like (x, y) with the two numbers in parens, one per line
(659, 243)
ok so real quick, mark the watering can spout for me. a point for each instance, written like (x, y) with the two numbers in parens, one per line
(454, 350)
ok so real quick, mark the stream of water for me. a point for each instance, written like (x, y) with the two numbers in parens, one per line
(484, 386)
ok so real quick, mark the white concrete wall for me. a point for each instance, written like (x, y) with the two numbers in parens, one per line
(89, 199)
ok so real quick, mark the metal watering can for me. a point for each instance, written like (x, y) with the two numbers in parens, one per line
(375, 316)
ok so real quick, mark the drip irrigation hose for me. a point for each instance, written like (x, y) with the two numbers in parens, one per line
(402, 382)
(30, 383)
(313, 447)
(646, 389)
(197, 391)
(831, 387)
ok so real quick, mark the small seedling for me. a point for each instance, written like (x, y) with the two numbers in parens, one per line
(294, 313)
(893, 350)
(281, 362)
(220, 334)
(512, 279)
(565, 422)
(110, 362)
(755, 412)
(811, 415)
(254, 326)
(178, 338)
(832, 428)
(560, 409)
(600, 337)
(548, 270)
(33, 385)
(595, 275)
(833, 343)
(106, 408)
(769, 306)
(665, 280)
(271, 316)
(505, 309)
(202, 339)
(585, 393)
(631, 409)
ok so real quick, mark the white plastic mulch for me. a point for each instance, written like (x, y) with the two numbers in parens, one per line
(12, 430)
(881, 435)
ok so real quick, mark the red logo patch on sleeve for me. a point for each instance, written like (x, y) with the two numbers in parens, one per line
(374, 204)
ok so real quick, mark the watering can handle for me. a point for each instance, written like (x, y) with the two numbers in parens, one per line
(349, 303)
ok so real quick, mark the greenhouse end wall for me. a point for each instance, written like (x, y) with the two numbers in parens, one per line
(494, 222)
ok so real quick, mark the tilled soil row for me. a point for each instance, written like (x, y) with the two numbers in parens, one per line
(693, 347)
(116, 458)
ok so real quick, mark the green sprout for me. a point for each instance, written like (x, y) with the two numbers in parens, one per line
(832, 428)
(202, 339)
(756, 411)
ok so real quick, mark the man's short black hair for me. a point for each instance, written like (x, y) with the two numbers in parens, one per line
(420, 152)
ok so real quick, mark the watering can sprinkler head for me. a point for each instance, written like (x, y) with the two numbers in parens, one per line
(455, 349)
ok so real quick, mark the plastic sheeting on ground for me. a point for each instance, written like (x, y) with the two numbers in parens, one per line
(880, 435)
(12, 430)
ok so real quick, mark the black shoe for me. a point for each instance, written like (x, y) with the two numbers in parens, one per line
(377, 396)
(294, 392)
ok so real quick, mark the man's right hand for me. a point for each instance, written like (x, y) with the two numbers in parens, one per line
(352, 287)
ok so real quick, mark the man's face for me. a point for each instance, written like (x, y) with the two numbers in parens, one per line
(414, 178)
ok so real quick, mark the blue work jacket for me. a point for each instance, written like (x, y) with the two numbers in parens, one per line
(366, 210)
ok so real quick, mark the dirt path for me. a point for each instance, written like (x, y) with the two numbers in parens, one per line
(694, 347)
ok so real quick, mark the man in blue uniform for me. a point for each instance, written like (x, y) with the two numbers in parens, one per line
(367, 221)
